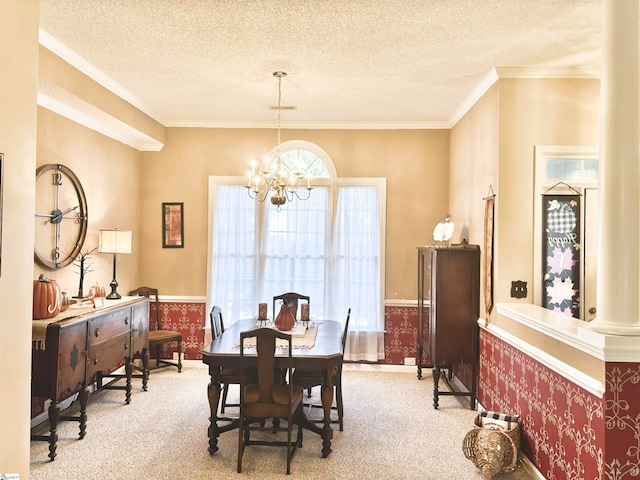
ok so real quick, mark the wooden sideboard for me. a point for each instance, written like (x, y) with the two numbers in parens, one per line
(78, 348)
(448, 308)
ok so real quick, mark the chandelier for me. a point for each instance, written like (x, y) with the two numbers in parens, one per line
(284, 181)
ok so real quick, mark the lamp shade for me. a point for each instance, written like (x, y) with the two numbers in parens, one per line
(114, 241)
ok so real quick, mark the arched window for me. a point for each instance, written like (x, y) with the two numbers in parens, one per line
(330, 246)
(308, 156)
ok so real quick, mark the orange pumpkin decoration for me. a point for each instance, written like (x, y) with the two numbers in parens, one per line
(46, 298)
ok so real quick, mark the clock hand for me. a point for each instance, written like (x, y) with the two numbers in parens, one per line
(56, 250)
(57, 215)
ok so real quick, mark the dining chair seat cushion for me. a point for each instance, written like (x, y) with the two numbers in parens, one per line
(162, 335)
(280, 394)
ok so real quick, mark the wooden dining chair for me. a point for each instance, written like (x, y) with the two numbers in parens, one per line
(160, 336)
(312, 378)
(292, 299)
(267, 398)
(228, 375)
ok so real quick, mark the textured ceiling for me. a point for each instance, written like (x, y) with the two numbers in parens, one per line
(350, 63)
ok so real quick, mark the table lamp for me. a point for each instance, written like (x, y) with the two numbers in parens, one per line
(114, 241)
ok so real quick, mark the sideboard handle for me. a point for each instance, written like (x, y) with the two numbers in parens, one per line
(97, 331)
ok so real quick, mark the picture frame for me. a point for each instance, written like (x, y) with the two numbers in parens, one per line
(173, 225)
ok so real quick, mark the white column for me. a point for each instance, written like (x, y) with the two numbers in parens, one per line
(618, 281)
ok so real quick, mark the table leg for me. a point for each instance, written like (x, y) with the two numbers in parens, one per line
(213, 394)
(326, 395)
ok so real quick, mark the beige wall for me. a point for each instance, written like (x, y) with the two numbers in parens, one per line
(415, 162)
(110, 176)
(493, 145)
(474, 170)
(18, 89)
(533, 112)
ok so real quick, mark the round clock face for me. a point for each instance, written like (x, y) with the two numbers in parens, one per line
(61, 216)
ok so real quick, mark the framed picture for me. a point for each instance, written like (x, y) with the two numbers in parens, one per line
(172, 225)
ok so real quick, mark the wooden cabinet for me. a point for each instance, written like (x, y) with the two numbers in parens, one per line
(74, 350)
(448, 308)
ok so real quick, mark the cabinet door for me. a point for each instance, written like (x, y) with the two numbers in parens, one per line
(72, 359)
(140, 328)
(454, 305)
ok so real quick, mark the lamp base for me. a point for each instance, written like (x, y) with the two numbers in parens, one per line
(114, 295)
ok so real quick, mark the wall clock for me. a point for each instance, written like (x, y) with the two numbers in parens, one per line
(61, 216)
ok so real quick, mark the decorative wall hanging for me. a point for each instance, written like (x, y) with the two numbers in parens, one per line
(488, 251)
(172, 225)
(561, 245)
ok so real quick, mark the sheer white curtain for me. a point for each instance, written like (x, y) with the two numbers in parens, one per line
(296, 244)
(357, 263)
(232, 284)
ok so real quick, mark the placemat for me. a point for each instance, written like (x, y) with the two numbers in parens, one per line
(308, 340)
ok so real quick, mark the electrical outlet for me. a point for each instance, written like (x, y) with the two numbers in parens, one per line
(409, 360)
(175, 356)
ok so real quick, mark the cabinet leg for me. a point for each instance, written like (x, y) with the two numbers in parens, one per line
(84, 400)
(129, 371)
(436, 381)
(54, 415)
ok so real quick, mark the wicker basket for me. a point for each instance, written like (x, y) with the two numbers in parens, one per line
(492, 451)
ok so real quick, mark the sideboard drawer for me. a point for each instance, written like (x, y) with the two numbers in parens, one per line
(105, 355)
(111, 324)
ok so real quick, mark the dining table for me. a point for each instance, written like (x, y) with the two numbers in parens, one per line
(324, 354)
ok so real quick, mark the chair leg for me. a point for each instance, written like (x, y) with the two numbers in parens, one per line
(309, 392)
(157, 355)
(339, 400)
(225, 389)
(179, 356)
(289, 447)
(240, 443)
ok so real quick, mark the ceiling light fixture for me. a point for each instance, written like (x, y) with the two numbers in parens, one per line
(284, 181)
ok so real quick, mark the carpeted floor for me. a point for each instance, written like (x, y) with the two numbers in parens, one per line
(391, 432)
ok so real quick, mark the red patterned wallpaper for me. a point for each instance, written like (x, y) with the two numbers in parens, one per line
(622, 434)
(186, 318)
(563, 424)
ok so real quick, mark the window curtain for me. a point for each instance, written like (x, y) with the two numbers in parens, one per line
(233, 281)
(296, 243)
(356, 271)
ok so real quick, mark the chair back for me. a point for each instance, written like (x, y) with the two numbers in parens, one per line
(266, 352)
(292, 299)
(345, 332)
(216, 322)
(151, 293)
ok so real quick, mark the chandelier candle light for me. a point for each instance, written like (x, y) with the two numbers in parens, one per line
(276, 176)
